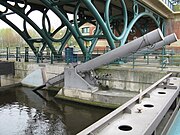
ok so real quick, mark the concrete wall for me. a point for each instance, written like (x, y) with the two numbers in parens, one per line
(8, 80)
(128, 79)
(115, 77)
(22, 69)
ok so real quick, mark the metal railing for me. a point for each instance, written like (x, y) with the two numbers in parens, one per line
(148, 59)
(153, 59)
(169, 4)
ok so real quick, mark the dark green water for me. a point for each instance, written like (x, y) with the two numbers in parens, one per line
(22, 112)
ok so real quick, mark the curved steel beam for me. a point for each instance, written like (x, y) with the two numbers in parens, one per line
(63, 43)
(100, 21)
(67, 37)
(21, 33)
(24, 16)
(67, 23)
(48, 33)
(94, 42)
(77, 27)
(132, 23)
(108, 22)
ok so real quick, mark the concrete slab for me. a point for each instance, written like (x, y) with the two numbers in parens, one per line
(35, 79)
(109, 98)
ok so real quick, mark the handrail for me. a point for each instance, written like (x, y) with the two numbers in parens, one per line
(169, 4)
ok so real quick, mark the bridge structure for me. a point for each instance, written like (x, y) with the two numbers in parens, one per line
(116, 21)
(80, 82)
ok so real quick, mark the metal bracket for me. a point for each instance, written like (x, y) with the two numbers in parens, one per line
(73, 80)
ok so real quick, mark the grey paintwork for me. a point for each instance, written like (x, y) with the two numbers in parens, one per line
(122, 51)
(153, 104)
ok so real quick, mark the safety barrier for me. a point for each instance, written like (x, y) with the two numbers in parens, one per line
(149, 59)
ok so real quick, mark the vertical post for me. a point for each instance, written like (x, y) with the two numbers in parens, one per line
(41, 57)
(60, 57)
(37, 58)
(52, 58)
(163, 58)
(77, 58)
(133, 61)
(48, 51)
(7, 53)
(26, 55)
(144, 55)
(37, 54)
(17, 53)
(162, 62)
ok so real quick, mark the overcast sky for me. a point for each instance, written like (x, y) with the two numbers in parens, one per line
(3, 25)
(36, 16)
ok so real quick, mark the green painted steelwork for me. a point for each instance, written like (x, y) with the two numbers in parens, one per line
(115, 28)
(56, 10)
(108, 22)
(17, 53)
(82, 19)
(7, 53)
(99, 19)
(132, 23)
(21, 33)
(24, 15)
(26, 54)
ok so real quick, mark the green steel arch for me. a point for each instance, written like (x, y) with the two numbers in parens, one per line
(132, 23)
(22, 34)
(113, 21)
(22, 14)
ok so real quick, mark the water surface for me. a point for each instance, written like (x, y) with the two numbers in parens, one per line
(175, 127)
(22, 112)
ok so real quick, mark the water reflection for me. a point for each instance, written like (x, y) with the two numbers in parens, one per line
(22, 112)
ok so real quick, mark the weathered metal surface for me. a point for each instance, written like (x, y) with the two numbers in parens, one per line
(55, 80)
(142, 114)
(7, 68)
(122, 51)
(86, 81)
(167, 41)
(150, 49)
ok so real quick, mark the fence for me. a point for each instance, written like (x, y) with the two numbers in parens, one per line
(155, 59)
(169, 4)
